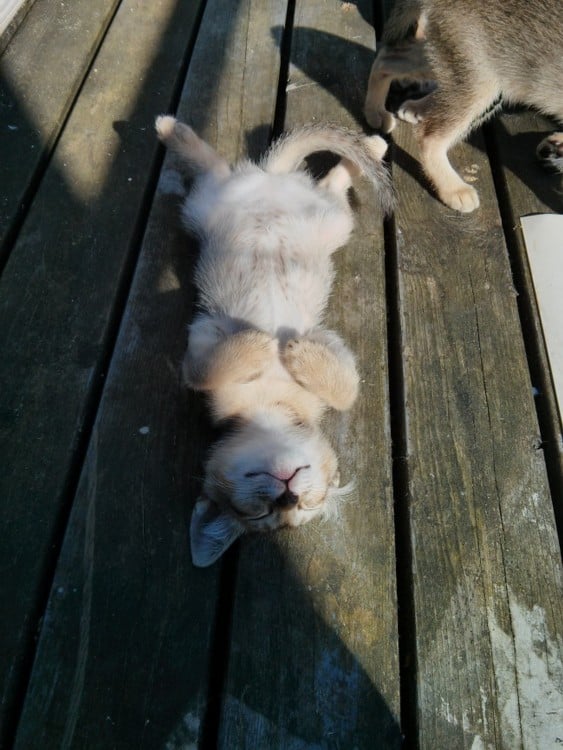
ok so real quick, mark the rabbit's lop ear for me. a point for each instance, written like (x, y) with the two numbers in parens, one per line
(212, 532)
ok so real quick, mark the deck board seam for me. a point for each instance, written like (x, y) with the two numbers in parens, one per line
(94, 396)
(12, 234)
(545, 407)
(401, 494)
(285, 59)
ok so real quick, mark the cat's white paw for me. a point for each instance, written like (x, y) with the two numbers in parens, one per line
(464, 198)
(410, 111)
(297, 356)
(380, 119)
(328, 370)
(377, 146)
(164, 125)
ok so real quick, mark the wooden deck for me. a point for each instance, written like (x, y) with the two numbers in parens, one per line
(431, 615)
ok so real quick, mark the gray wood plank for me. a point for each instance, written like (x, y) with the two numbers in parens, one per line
(40, 73)
(125, 652)
(313, 659)
(529, 190)
(12, 15)
(59, 295)
(486, 563)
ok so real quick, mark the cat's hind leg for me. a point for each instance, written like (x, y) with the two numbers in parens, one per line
(321, 362)
(195, 154)
(339, 179)
(445, 116)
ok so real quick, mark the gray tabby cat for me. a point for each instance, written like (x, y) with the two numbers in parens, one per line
(477, 51)
(257, 346)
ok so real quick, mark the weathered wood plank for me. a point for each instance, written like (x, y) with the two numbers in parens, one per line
(59, 297)
(40, 74)
(314, 647)
(124, 656)
(11, 15)
(486, 564)
(542, 235)
(530, 189)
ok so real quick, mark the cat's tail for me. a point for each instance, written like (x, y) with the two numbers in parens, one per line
(364, 152)
(195, 155)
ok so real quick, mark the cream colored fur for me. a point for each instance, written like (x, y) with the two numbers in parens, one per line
(478, 52)
(257, 346)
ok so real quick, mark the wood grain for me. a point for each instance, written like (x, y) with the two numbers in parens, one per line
(486, 563)
(125, 652)
(42, 70)
(291, 641)
(314, 642)
(59, 298)
(529, 189)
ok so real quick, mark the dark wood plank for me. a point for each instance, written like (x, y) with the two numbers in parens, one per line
(486, 564)
(40, 73)
(314, 647)
(530, 189)
(125, 652)
(59, 298)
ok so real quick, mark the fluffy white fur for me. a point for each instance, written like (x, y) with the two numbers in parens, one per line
(257, 346)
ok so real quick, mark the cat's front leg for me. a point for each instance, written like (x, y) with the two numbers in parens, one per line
(215, 359)
(402, 61)
(322, 363)
(379, 83)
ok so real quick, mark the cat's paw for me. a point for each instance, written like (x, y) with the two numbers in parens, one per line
(550, 152)
(380, 119)
(249, 354)
(411, 111)
(319, 369)
(301, 358)
(463, 198)
(164, 125)
(239, 358)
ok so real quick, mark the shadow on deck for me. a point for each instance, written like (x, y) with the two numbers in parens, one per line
(433, 608)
